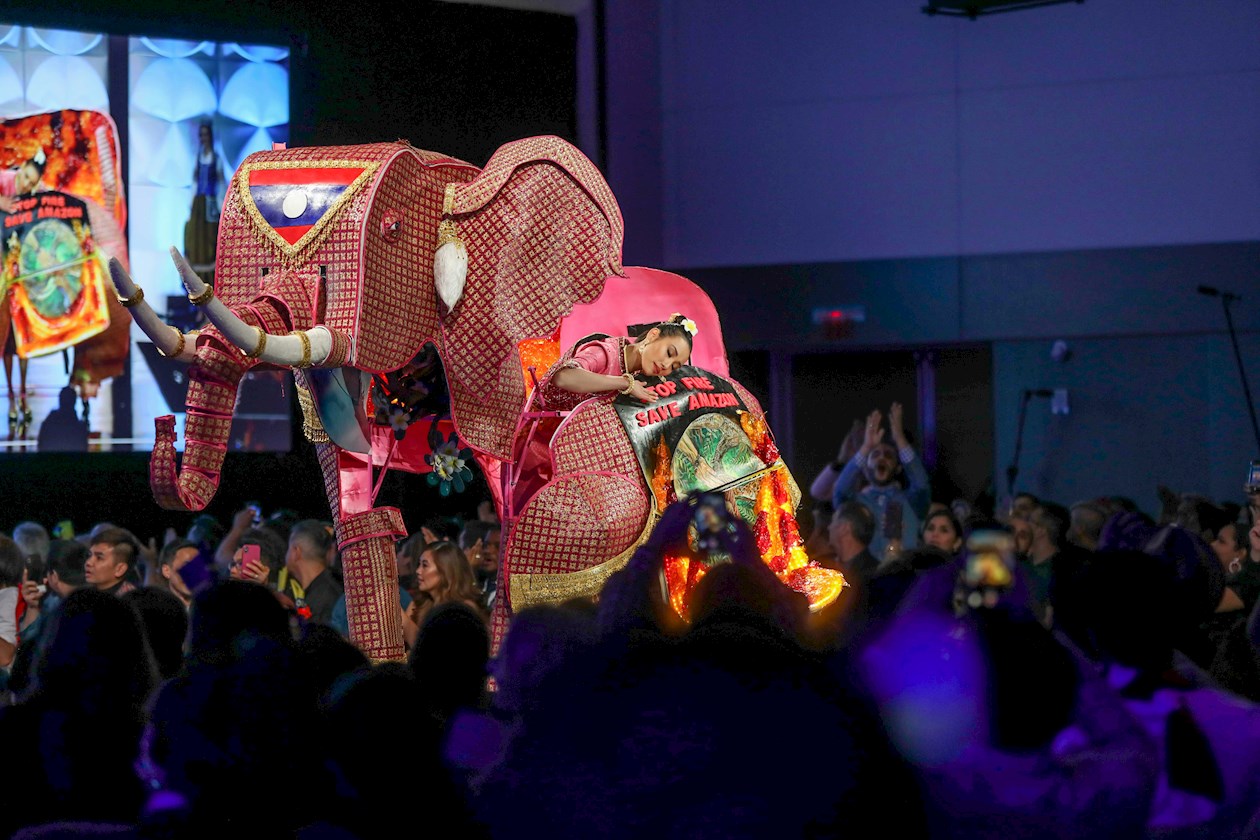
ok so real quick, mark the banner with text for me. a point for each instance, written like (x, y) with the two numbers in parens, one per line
(691, 436)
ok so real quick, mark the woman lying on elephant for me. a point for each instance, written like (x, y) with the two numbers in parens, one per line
(600, 364)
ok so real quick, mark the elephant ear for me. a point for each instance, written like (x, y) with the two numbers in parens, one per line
(542, 232)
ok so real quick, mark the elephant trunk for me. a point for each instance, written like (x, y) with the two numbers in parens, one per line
(215, 374)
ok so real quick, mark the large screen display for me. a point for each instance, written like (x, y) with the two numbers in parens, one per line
(79, 375)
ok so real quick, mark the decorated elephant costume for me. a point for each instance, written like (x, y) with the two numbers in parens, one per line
(326, 265)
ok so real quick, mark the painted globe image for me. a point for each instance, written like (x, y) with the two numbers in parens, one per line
(51, 268)
(713, 451)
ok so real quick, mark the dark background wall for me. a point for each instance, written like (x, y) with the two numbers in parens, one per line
(1068, 172)
(454, 78)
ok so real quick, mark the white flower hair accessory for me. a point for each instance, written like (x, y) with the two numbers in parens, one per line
(686, 323)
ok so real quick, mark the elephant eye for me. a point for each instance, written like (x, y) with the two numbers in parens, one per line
(391, 228)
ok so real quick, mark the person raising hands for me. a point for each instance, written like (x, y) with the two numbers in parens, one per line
(898, 510)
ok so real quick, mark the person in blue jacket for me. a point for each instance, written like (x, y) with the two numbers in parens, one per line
(898, 509)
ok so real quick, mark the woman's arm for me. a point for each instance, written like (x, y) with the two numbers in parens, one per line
(241, 522)
(582, 381)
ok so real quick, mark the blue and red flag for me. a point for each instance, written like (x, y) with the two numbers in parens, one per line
(294, 201)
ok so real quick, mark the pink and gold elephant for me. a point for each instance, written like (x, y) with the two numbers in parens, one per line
(352, 265)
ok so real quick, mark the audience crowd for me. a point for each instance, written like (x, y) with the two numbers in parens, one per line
(1033, 671)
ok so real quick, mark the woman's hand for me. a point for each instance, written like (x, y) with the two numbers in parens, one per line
(255, 570)
(640, 392)
(243, 521)
(31, 593)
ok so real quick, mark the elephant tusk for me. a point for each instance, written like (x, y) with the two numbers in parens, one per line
(229, 323)
(169, 341)
(299, 349)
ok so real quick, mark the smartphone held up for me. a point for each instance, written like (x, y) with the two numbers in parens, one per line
(989, 571)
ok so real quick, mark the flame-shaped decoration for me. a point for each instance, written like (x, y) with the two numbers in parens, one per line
(759, 436)
(662, 475)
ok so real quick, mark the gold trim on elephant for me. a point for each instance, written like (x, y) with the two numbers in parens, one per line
(207, 294)
(312, 426)
(526, 591)
(134, 300)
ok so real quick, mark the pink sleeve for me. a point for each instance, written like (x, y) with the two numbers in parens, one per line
(595, 357)
(8, 182)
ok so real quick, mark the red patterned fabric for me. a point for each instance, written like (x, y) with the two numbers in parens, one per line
(592, 439)
(214, 376)
(575, 522)
(536, 149)
(542, 232)
(391, 315)
(748, 398)
(327, 455)
(370, 574)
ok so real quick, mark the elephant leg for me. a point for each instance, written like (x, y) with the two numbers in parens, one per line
(366, 538)
(370, 573)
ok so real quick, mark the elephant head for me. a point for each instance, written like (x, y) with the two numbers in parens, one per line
(326, 259)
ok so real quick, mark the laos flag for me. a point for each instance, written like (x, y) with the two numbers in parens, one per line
(295, 202)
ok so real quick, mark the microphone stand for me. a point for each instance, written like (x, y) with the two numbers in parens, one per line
(1013, 470)
(1226, 299)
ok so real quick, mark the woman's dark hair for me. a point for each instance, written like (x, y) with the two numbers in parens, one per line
(96, 657)
(66, 558)
(282, 522)
(11, 562)
(671, 326)
(412, 547)
(945, 513)
(456, 573)
(1241, 527)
